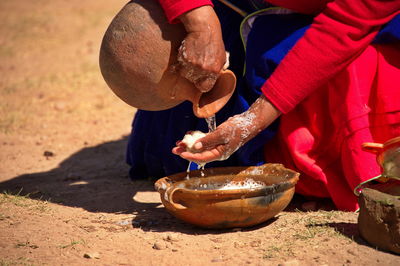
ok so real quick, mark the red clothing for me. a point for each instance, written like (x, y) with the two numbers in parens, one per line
(175, 8)
(336, 91)
(339, 34)
(321, 138)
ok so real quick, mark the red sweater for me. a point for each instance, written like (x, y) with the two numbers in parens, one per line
(341, 30)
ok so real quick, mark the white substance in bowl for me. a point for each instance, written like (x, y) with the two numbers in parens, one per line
(246, 184)
(191, 138)
(249, 184)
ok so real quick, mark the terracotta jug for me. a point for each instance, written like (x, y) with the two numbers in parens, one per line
(137, 58)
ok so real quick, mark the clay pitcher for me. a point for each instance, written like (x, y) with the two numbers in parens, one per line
(137, 58)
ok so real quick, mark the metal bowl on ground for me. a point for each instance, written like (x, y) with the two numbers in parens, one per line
(387, 156)
(228, 197)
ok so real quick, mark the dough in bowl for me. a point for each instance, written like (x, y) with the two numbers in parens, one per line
(190, 139)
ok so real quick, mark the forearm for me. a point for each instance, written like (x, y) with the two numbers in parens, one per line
(258, 117)
(201, 19)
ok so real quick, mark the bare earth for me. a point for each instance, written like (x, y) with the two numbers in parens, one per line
(66, 198)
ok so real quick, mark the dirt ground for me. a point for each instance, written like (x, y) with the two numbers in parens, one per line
(66, 198)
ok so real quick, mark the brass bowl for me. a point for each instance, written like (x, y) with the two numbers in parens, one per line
(202, 201)
(387, 156)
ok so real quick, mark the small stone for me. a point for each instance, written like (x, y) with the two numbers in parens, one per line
(92, 255)
(309, 206)
(171, 238)
(239, 244)
(124, 222)
(159, 245)
(217, 259)
(59, 106)
(217, 240)
(48, 154)
(351, 252)
(290, 263)
(255, 243)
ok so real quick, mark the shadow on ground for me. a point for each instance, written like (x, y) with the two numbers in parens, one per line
(96, 179)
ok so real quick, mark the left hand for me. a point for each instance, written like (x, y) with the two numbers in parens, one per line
(201, 55)
(232, 134)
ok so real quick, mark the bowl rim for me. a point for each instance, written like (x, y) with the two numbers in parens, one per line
(164, 185)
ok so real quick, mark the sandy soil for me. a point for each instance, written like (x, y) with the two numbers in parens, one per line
(66, 198)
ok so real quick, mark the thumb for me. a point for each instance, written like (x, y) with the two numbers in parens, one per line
(210, 141)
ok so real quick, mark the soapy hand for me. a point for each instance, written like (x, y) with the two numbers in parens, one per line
(217, 145)
(202, 53)
(230, 135)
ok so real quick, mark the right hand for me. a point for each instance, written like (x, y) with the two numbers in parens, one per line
(230, 135)
(202, 53)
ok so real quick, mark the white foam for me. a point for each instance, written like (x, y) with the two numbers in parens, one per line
(246, 184)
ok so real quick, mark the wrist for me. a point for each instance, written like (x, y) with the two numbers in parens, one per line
(265, 111)
(200, 19)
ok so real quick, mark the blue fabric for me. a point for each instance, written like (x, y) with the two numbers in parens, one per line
(390, 33)
(270, 38)
(154, 134)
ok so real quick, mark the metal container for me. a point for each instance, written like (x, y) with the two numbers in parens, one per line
(387, 156)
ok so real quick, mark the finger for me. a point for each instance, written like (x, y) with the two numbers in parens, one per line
(210, 141)
(205, 84)
(188, 73)
(203, 157)
(178, 150)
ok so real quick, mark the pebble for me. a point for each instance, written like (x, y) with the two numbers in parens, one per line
(48, 154)
(171, 238)
(239, 244)
(124, 222)
(92, 255)
(255, 243)
(59, 106)
(290, 263)
(217, 240)
(217, 259)
(160, 245)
